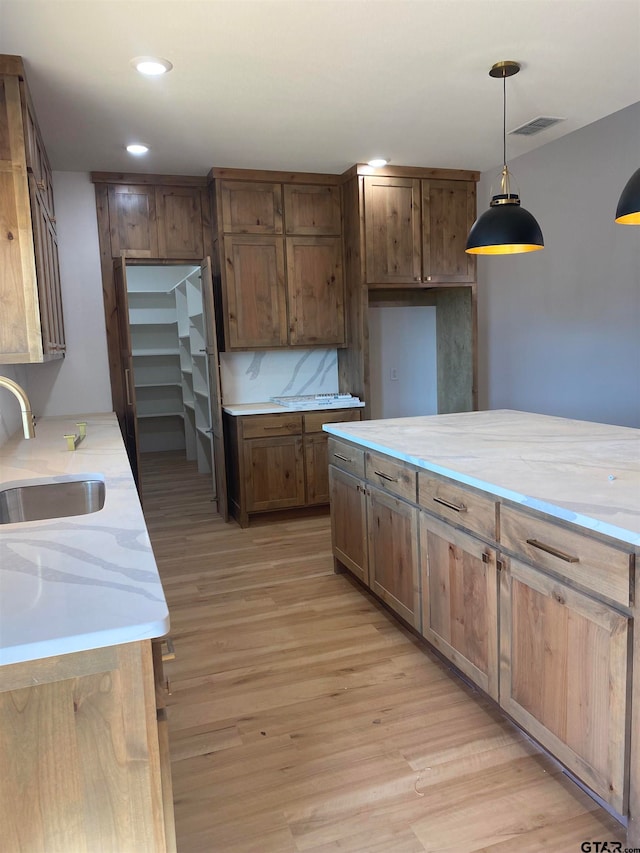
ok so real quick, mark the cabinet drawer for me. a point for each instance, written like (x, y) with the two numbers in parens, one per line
(313, 420)
(265, 426)
(391, 475)
(346, 456)
(599, 567)
(462, 507)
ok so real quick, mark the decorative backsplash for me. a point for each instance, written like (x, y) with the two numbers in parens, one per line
(254, 377)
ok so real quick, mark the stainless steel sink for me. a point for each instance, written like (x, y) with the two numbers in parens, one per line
(51, 500)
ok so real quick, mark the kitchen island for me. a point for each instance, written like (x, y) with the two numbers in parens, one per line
(509, 541)
(84, 747)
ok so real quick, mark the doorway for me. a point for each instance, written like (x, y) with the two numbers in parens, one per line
(171, 371)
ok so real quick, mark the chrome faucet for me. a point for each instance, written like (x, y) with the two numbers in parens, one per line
(28, 421)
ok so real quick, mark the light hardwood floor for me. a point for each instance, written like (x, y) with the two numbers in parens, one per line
(304, 718)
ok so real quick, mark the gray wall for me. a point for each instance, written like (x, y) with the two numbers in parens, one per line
(559, 330)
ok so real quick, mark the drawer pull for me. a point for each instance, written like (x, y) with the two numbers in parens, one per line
(344, 458)
(549, 549)
(456, 507)
(386, 477)
(281, 426)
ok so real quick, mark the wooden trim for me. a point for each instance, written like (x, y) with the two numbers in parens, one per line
(277, 177)
(11, 64)
(148, 180)
(409, 172)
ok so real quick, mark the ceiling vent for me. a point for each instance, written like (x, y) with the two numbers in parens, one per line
(535, 126)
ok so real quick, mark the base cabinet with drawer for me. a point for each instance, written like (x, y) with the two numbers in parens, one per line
(536, 612)
(374, 527)
(278, 461)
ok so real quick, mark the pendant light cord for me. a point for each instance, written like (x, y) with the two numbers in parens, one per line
(504, 119)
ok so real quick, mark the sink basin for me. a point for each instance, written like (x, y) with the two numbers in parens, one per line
(51, 500)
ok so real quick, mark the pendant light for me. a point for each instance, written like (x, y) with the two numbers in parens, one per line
(506, 228)
(628, 212)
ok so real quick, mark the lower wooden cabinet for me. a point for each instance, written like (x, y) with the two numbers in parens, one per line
(349, 522)
(563, 677)
(278, 461)
(460, 600)
(275, 473)
(375, 536)
(80, 753)
(392, 530)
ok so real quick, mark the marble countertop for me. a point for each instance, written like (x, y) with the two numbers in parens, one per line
(83, 582)
(585, 473)
(275, 409)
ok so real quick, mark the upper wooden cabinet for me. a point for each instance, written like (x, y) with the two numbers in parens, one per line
(147, 221)
(267, 221)
(32, 328)
(416, 230)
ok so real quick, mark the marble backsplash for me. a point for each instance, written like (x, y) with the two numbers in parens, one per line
(256, 376)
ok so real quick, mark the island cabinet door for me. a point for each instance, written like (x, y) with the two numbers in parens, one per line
(563, 676)
(349, 522)
(394, 576)
(460, 600)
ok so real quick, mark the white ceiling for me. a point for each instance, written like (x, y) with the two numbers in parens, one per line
(316, 85)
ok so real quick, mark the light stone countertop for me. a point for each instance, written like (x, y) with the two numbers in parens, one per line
(268, 408)
(585, 473)
(83, 582)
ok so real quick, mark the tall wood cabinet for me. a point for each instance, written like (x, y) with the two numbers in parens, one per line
(280, 241)
(32, 328)
(405, 230)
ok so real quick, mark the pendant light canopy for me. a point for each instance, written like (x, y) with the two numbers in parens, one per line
(628, 212)
(506, 228)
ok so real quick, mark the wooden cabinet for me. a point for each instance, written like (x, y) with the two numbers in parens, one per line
(460, 600)
(256, 307)
(392, 530)
(564, 666)
(278, 461)
(80, 753)
(149, 221)
(32, 328)
(416, 230)
(374, 532)
(281, 261)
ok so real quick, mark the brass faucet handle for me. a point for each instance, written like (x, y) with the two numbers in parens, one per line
(71, 440)
(82, 426)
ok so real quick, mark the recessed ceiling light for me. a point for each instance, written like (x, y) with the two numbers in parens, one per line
(137, 148)
(377, 163)
(151, 66)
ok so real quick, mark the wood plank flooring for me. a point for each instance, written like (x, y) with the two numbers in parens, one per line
(304, 718)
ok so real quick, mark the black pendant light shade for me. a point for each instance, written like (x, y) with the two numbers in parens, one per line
(506, 228)
(628, 211)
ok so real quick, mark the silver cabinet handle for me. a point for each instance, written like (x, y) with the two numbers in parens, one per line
(386, 477)
(344, 458)
(456, 507)
(549, 549)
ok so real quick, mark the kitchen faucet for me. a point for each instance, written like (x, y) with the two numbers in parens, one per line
(28, 421)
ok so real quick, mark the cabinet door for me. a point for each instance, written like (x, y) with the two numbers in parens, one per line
(315, 287)
(275, 473)
(132, 221)
(179, 218)
(460, 600)
(251, 207)
(254, 294)
(316, 463)
(349, 522)
(127, 414)
(392, 230)
(563, 676)
(393, 554)
(48, 275)
(312, 210)
(448, 212)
